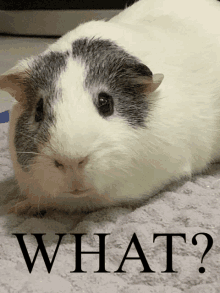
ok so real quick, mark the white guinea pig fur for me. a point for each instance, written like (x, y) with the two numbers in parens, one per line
(90, 128)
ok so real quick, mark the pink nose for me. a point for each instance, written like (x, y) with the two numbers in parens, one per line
(74, 173)
(76, 164)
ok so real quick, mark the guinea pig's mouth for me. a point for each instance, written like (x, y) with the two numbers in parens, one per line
(79, 193)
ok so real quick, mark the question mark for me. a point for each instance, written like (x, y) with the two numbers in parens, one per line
(209, 246)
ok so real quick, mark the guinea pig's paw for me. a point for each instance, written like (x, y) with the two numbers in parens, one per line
(20, 208)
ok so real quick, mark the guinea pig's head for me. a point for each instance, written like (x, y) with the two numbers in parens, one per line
(79, 123)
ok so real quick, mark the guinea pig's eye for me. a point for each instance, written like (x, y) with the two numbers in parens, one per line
(39, 114)
(105, 104)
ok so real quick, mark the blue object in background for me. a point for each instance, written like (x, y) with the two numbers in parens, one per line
(4, 117)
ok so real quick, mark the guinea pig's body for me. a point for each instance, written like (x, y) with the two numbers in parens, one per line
(90, 129)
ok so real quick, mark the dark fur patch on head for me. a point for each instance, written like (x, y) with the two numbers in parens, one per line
(40, 84)
(109, 65)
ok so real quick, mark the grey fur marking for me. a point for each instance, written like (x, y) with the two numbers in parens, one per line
(108, 64)
(41, 83)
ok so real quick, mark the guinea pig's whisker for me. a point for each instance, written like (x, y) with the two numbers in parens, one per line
(33, 138)
(28, 153)
(24, 134)
(35, 153)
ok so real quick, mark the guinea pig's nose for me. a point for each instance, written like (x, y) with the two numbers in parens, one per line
(82, 162)
(74, 164)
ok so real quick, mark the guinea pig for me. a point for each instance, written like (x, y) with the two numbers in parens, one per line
(90, 128)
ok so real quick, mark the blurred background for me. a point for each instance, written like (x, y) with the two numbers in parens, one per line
(53, 18)
(28, 27)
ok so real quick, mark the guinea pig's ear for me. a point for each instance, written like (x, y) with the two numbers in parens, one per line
(154, 82)
(13, 81)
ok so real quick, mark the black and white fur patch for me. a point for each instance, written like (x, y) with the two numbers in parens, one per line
(109, 65)
(40, 83)
(106, 64)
